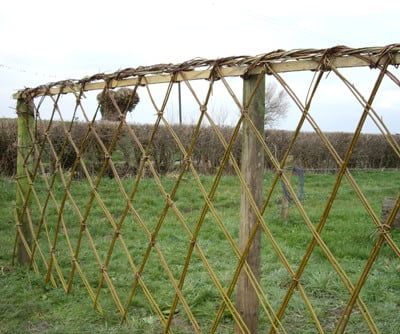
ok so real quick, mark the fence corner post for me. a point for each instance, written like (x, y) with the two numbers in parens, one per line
(252, 167)
(25, 126)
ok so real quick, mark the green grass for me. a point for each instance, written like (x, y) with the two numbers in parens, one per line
(28, 305)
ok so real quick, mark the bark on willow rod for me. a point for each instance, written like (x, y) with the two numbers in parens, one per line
(252, 166)
(25, 111)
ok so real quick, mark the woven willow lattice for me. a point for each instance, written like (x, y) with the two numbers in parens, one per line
(82, 225)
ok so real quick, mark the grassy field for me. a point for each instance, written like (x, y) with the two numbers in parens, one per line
(27, 305)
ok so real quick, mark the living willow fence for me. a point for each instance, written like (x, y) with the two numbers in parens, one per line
(70, 220)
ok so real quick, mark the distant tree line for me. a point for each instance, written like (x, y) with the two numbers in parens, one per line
(371, 151)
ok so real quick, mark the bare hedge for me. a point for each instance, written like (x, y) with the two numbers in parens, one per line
(8, 146)
(371, 151)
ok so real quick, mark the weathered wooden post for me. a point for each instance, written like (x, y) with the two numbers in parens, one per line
(252, 166)
(25, 112)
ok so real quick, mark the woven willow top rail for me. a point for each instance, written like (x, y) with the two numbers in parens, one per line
(199, 68)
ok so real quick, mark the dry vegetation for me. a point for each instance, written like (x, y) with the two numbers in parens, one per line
(125, 98)
(372, 151)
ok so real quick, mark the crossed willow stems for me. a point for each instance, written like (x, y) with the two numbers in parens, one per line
(274, 317)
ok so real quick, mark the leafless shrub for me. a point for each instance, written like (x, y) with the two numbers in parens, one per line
(125, 98)
(276, 105)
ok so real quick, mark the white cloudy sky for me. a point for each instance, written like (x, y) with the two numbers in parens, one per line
(45, 41)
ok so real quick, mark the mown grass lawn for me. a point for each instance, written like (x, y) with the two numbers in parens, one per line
(27, 305)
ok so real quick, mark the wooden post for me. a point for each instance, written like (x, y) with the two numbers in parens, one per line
(25, 126)
(252, 167)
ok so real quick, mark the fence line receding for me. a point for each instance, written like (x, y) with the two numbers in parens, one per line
(148, 243)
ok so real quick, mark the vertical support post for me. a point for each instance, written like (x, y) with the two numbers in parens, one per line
(252, 167)
(25, 124)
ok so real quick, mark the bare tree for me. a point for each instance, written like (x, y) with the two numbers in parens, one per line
(276, 105)
(125, 98)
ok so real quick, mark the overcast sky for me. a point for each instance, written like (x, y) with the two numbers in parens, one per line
(46, 41)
